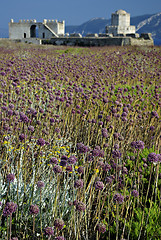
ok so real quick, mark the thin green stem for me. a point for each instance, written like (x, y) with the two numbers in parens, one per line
(10, 225)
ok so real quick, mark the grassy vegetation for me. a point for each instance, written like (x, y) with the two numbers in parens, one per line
(80, 140)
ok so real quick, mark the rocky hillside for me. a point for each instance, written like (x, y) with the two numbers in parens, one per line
(151, 24)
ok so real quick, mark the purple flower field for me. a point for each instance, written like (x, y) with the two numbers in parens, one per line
(80, 152)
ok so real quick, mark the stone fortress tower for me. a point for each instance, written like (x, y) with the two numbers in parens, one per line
(32, 29)
(120, 24)
(119, 33)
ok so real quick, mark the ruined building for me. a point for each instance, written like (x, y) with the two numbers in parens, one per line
(32, 29)
(119, 33)
(120, 24)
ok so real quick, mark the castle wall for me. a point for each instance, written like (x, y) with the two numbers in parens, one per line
(120, 19)
(61, 28)
(44, 32)
(17, 30)
(28, 29)
(120, 24)
(56, 26)
(100, 41)
(114, 19)
(117, 30)
(124, 20)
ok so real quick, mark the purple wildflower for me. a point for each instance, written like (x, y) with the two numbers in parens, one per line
(10, 113)
(101, 227)
(82, 148)
(80, 206)
(53, 160)
(41, 142)
(99, 185)
(152, 157)
(80, 170)
(34, 209)
(57, 130)
(152, 128)
(118, 198)
(105, 100)
(10, 177)
(138, 144)
(97, 152)
(49, 231)
(106, 167)
(72, 160)
(135, 193)
(59, 223)
(69, 168)
(52, 120)
(31, 128)
(40, 184)
(23, 117)
(75, 202)
(57, 169)
(11, 106)
(104, 132)
(10, 208)
(63, 162)
(22, 137)
(78, 183)
(116, 153)
(154, 114)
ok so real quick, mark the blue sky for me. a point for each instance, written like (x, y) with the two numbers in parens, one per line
(74, 12)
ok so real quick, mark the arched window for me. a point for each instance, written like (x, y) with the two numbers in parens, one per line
(33, 31)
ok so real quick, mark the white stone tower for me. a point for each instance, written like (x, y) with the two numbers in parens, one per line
(32, 29)
(120, 24)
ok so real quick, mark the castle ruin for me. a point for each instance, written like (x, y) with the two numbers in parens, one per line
(26, 29)
(119, 33)
(120, 24)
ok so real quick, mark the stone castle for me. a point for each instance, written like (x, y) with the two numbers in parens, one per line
(120, 24)
(120, 32)
(26, 29)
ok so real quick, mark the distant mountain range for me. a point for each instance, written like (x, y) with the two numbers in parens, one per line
(144, 23)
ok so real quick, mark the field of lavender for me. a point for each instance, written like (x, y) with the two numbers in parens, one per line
(80, 132)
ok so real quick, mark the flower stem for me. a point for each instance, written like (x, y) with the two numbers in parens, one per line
(33, 224)
(145, 201)
(117, 221)
(41, 216)
(10, 225)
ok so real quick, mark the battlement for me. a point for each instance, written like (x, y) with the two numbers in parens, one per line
(45, 21)
(33, 29)
(52, 21)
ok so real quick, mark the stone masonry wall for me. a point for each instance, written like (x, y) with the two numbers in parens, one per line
(114, 41)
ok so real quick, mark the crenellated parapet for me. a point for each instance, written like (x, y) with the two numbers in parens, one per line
(33, 29)
(23, 21)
